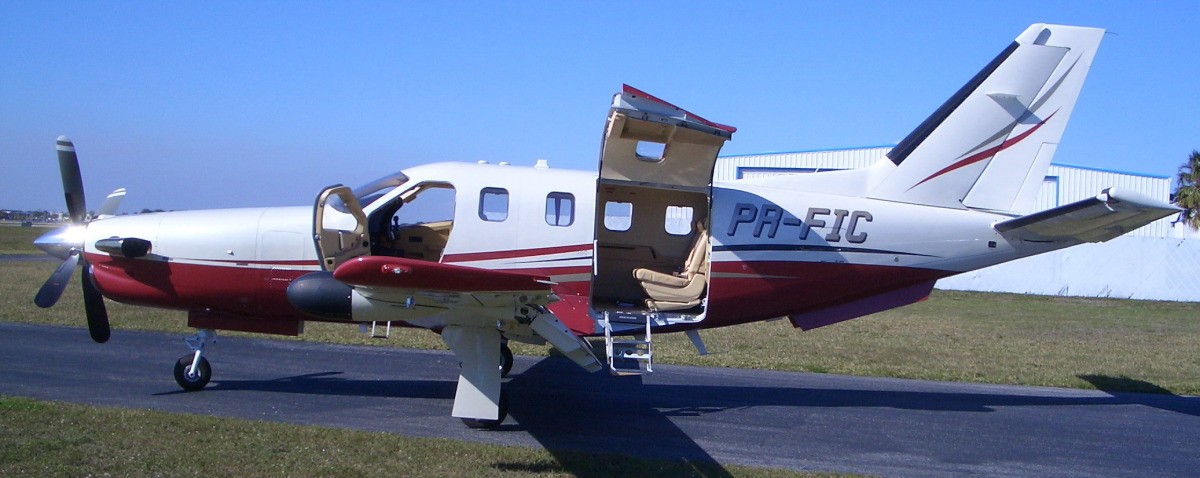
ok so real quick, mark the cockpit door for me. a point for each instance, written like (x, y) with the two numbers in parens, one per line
(652, 204)
(339, 227)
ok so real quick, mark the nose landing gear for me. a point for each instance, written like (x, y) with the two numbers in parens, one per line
(192, 372)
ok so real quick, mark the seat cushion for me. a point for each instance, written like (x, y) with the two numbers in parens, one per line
(659, 278)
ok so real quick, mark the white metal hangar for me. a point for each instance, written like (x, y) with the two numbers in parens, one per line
(1155, 262)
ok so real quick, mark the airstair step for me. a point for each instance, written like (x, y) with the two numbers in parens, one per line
(628, 356)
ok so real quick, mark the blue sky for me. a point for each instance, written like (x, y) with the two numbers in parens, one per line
(226, 104)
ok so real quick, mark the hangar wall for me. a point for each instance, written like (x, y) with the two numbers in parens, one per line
(1160, 261)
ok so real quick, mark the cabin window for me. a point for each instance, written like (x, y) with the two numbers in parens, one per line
(560, 209)
(493, 204)
(678, 220)
(618, 216)
(650, 151)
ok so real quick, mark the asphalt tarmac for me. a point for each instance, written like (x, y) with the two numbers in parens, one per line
(801, 421)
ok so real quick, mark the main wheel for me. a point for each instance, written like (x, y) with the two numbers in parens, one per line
(506, 360)
(193, 381)
(478, 424)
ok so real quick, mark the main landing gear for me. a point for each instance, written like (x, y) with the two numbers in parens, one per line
(506, 360)
(192, 371)
(506, 365)
(482, 424)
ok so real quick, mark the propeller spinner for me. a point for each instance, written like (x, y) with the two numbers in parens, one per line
(67, 243)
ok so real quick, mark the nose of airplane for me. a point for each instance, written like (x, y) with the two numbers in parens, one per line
(319, 294)
(61, 241)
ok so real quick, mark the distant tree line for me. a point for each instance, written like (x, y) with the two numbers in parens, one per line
(47, 216)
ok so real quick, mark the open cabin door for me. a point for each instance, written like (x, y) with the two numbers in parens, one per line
(339, 227)
(653, 202)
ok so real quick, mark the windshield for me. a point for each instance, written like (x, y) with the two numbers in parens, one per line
(370, 192)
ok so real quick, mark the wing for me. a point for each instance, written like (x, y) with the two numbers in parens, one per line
(411, 289)
(1097, 219)
(472, 308)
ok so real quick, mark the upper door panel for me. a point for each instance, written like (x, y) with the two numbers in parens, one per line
(648, 141)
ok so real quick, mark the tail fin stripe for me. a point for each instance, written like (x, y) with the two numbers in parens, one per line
(987, 153)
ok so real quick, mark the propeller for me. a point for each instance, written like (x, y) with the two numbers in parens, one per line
(93, 305)
(67, 244)
(48, 295)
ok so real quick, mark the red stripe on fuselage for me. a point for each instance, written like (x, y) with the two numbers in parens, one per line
(311, 263)
(518, 253)
(231, 289)
(237, 289)
(776, 289)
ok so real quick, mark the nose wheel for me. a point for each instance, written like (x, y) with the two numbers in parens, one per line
(192, 371)
(192, 378)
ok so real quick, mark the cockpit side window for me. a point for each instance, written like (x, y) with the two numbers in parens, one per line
(416, 224)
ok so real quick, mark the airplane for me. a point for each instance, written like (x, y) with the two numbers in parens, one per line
(648, 243)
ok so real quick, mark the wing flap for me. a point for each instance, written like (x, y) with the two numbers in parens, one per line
(1108, 215)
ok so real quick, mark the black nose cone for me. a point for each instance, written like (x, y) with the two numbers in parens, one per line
(320, 295)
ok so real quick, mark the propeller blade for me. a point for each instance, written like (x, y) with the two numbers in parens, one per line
(48, 295)
(93, 302)
(110, 204)
(68, 166)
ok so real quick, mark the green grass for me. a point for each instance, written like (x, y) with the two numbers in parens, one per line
(961, 336)
(15, 239)
(40, 438)
(993, 338)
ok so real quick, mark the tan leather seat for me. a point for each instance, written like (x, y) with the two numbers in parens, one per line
(684, 289)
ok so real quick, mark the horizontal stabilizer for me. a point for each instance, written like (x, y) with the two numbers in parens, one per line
(1096, 219)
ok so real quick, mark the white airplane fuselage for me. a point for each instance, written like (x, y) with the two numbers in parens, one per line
(775, 252)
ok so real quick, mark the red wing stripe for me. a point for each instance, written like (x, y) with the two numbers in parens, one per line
(987, 153)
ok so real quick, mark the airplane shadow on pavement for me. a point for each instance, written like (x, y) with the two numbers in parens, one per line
(568, 410)
(332, 383)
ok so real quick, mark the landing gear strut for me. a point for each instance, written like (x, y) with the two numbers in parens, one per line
(192, 371)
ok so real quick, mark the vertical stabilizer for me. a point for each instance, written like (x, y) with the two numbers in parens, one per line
(988, 147)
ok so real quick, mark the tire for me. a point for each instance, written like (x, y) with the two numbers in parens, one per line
(195, 382)
(478, 424)
(506, 360)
